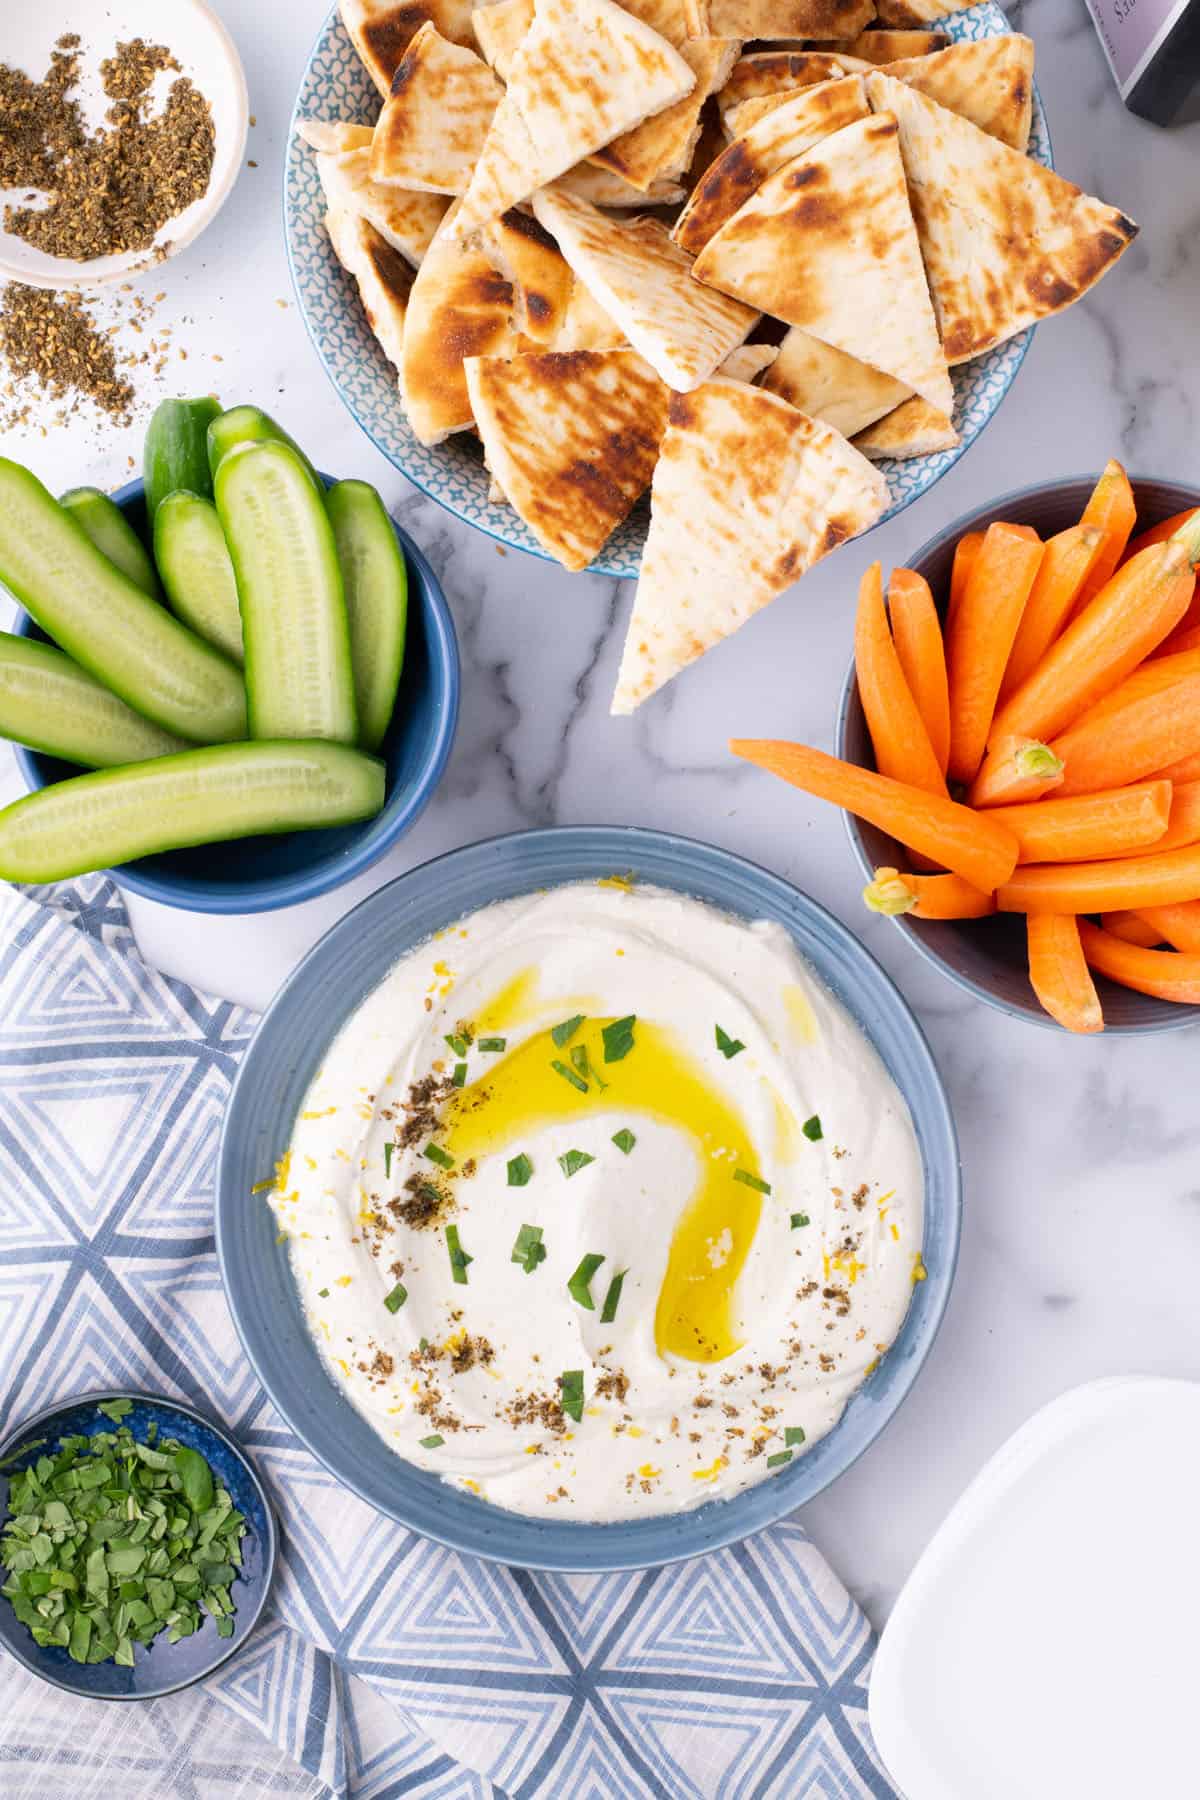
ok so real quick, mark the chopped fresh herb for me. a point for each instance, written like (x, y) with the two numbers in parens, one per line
(812, 1129)
(389, 1150)
(562, 1034)
(458, 1256)
(754, 1181)
(435, 1154)
(580, 1285)
(459, 1077)
(116, 1410)
(799, 1219)
(520, 1169)
(618, 1038)
(576, 1081)
(571, 1161)
(322, 1293)
(395, 1300)
(582, 1066)
(624, 1140)
(728, 1046)
(433, 1442)
(780, 1457)
(492, 1046)
(459, 1045)
(529, 1250)
(793, 1434)
(571, 1393)
(612, 1298)
(423, 1343)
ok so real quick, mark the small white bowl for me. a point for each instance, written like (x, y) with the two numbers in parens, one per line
(199, 42)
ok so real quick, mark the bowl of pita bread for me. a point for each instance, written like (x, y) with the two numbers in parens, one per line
(688, 291)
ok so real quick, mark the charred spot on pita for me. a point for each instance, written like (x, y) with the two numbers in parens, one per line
(387, 39)
(528, 227)
(809, 175)
(681, 411)
(391, 268)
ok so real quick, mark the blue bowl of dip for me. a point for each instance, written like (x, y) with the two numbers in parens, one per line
(306, 1015)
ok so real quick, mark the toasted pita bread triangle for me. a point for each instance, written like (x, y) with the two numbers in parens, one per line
(587, 181)
(459, 306)
(1005, 241)
(406, 221)
(905, 15)
(828, 243)
(384, 279)
(542, 282)
(914, 429)
(989, 82)
(810, 114)
(827, 384)
(748, 493)
(769, 19)
(436, 118)
(661, 148)
(381, 30)
(644, 282)
(572, 440)
(775, 72)
(889, 46)
(585, 71)
(334, 136)
(499, 30)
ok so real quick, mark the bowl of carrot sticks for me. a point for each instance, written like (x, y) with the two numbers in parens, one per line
(1019, 752)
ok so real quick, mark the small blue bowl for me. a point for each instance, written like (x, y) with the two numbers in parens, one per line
(158, 1668)
(346, 965)
(259, 874)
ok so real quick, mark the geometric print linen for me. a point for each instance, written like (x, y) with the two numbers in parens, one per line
(387, 1665)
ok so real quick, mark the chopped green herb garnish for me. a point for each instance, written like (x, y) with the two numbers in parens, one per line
(624, 1140)
(322, 1293)
(728, 1046)
(571, 1161)
(423, 1343)
(458, 1256)
(582, 1066)
(576, 1081)
(389, 1150)
(435, 1154)
(580, 1285)
(520, 1169)
(459, 1076)
(529, 1250)
(116, 1410)
(433, 1442)
(395, 1300)
(799, 1219)
(562, 1034)
(618, 1038)
(492, 1046)
(571, 1393)
(780, 1456)
(812, 1129)
(754, 1181)
(459, 1045)
(793, 1434)
(612, 1298)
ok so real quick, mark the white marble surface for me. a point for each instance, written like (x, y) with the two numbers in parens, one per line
(1082, 1231)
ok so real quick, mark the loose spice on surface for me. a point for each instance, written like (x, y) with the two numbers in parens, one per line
(54, 340)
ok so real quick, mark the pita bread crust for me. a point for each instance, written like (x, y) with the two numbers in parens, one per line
(769, 19)
(914, 429)
(909, 14)
(748, 493)
(827, 384)
(885, 46)
(334, 136)
(384, 279)
(661, 148)
(572, 440)
(499, 30)
(406, 221)
(748, 362)
(602, 188)
(828, 243)
(1005, 241)
(644, 282)
(586, 325)
(433, 125)
(382, 30)
(775, 72)
(807, 116)
(541, 278)
(459, 306)
(989, 82)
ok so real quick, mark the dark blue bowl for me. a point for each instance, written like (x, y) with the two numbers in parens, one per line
(261, 873)
(158, 1668)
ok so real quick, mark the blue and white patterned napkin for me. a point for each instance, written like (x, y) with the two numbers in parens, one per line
(387, 1665)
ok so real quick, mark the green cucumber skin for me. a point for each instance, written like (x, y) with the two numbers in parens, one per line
(223, 792)
(113, 536)
(52, 705)
(375, 578)
(250, 425)
(108, 625)
(299, 671)
(194, 563)
(176, 450)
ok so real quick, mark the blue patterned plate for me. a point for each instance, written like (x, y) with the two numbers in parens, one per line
(335, 86)
(158, 1668)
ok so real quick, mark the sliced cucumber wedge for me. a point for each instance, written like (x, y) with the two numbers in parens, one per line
(375, 579)
(51, 704)
(250, 425)
(176, 451)
(107, 624)
(299, 675)
(193, 560)
(113, 536)
(198, 797)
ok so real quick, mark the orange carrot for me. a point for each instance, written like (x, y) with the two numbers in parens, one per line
(966, 553)
(1153, 677)
(1115, 885)
(1179, 925)
(1015, 770)
(1132, 927)
(1182, 773)
(1163, 973)
(1186, 636)
(980, 638)
(1059, 974)
(1113, 509)
(1146, 735)
(917, 633)
(1141, 605)
(895, 891)
(969, 843)
(1066, 563)
(1079, 830)
(1158, 534)
(1183, 825)
(898, 734)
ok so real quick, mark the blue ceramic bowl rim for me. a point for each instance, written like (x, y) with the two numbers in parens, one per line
(11, 1444)
(334, 870)
(966, 521)
(588, 1547)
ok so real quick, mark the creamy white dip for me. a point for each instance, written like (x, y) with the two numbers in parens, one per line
(745, 1318)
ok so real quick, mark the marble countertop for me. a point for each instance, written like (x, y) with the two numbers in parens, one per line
(1081, 1158)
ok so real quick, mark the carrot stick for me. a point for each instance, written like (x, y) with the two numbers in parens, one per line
(1183, 825)
(1115, 885)
(1141, 605)
(966, 552)
(1181, 773)
(969, 843)
(1015, 770)
(895, 891)
(898, 734)
(1079, 830)
(1113, 509)
(1144, 736)
(1066, 563)
(1180, 925)
(1158, 534)
(1132, 928)
(1153, 677)
(1186, 636)
(1163, 973)
(980, 638)
(917, 633)
(1059, 974)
